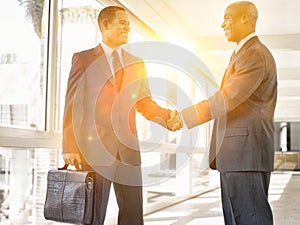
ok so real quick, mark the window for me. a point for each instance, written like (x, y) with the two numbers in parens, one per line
(24, 87)
(22, 64)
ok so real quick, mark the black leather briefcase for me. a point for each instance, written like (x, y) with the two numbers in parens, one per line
(70, 196)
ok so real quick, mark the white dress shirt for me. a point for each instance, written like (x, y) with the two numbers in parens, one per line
(108, 53)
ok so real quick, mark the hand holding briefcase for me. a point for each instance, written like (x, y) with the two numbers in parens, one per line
(70, 195)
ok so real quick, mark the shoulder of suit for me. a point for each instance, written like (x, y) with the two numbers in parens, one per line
(253, 43)
(259, 45)
(87, 51)
(86, 57)
(131, 58)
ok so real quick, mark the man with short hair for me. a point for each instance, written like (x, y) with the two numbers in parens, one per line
(106, 86)
(242, 144)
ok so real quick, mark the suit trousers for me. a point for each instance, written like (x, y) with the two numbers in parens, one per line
(129, 200)
(245, 198)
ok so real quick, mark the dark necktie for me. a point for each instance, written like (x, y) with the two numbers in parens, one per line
(118, 69)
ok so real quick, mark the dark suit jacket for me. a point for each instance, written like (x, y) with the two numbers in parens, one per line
(243, 109)
(99, 122)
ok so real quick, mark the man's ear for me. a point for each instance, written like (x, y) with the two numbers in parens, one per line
(245, 18)
(105, 24)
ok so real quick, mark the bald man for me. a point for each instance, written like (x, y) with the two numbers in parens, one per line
(242, 144)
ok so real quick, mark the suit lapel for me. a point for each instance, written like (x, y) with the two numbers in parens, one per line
(130, 71)
(234, 57)
(228, 69)
(102, 63)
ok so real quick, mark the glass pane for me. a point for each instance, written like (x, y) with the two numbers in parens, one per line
(287, 146)
(22, 61)
(23, 180)
(77, 31)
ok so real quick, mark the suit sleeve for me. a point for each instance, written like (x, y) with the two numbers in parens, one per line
(248, 74)
(68, 140)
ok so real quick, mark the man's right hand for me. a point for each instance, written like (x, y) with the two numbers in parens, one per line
(175, 122)
(70, 158)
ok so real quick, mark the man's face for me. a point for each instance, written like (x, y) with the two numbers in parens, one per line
(232, 24)
(118, 29)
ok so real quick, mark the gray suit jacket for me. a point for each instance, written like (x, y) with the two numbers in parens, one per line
(243, 109)
(99, 122)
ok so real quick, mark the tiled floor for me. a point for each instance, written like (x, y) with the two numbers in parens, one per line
(206, 209)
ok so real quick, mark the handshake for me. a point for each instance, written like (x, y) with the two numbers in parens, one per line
(175, 122)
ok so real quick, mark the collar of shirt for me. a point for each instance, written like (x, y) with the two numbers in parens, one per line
(243, 41)
(108, 51)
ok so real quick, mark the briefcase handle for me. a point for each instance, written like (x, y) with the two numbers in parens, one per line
(65, 167)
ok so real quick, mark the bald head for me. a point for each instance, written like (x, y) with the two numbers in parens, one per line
(239, 20)
(245, 7)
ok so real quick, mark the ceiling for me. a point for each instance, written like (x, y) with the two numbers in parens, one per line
(196, 25)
